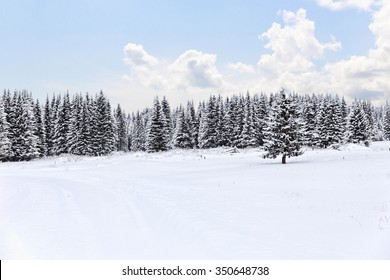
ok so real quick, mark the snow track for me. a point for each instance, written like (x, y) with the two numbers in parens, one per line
(198, 205)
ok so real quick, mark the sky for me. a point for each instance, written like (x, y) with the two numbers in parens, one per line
(189, 49)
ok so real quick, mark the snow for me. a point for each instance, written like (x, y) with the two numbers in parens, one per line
(199, 204)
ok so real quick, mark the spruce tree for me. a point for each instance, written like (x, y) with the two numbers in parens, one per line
(120, 117)
(167, 122)
(5, 143)
(182, 135)
(105, 130)
(40, 130)
(48, 126)
(283, 136)
(358, 127)
(76, 124)
(156, 135)
(386, 122)
(61, 132)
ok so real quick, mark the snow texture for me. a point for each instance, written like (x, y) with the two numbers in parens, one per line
(198, 204)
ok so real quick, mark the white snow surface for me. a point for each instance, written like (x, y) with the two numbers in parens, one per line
(199, 204)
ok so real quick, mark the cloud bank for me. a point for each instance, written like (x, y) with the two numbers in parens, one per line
(291, 61)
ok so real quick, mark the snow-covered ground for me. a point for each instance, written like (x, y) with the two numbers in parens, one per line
(326, 204)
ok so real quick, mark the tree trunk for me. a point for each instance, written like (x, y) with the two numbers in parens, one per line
(284, 159)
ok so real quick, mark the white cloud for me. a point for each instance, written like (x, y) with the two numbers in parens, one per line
(294, 48)
(196, 69)
(369, 73)
(291, 63)
(193, 71)
(135, 55)
(344, 4)
(241, 68)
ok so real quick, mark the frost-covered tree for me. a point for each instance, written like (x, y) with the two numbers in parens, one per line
(283, 135)
(386, 122)
(138, 132)
(48, 124)
(76, 123)
(358, 127)
(156, 136)
(5, 143)
(167, 122)
(208, 125)
(182, 134)
(39, 129)
(260, 113)
(120, 119)
(330, 123)
(22, 128)
(248, 137)
(105, 137)
(62, 124)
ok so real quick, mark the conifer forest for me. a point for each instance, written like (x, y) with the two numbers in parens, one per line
(280, 123)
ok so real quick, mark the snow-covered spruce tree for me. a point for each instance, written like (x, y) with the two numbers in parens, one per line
(75, 129)
(378, 124)
(22, 127)
(55, 115)
(386, 122)
(138, 133)
(193, 123)
(239, 119)
(247, 137)
(40, 130)
(120, 119)
(47, 121)
(61, 131)
(283, 135)
(105, 137)
(156, 135)
(260, 113)
(182, 135)
(208, 125)
(330, 122)
(358, 127)
(167, 122)
(5, 143)
(227, 136)
(87, 135)
(309, 112)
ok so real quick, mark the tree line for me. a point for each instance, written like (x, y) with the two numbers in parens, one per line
(280, 123)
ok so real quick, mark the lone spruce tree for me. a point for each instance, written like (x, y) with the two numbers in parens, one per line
(282, 136)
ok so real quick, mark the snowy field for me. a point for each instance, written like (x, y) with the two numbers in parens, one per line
(326, 204)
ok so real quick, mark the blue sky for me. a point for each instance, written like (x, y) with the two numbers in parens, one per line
(190, 49)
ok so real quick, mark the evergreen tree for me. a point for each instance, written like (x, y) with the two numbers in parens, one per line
(120, 117)
(39, 132)
(193, 124)
(138, 133)
(48, 127)
(260, 113)
(358, 126)
(156, 135)
(247, 137)
(75, 129)
(5, 143)
(167, 122)
(105, 129)
(283, 132)
(386, 125)
(330, 123)
(182, 135)
(208, 125)
(61, 131)
(227, 136)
